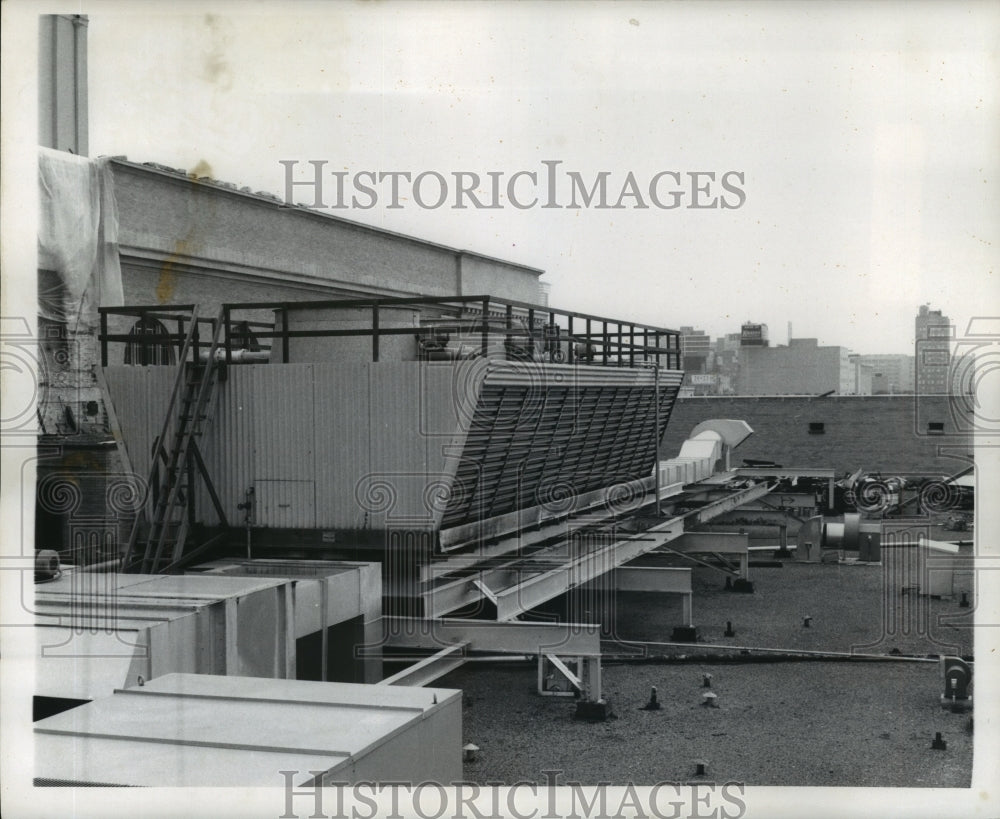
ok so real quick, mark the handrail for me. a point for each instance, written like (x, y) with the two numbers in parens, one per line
(610, 342)
(390, 301)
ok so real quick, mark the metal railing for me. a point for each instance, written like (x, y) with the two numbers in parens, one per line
(538, 332)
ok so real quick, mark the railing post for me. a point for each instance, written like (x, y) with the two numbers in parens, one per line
(569, 349)
(147, 350)
(375, 331)
(104, 339)
(508, 336)
(606, 339)
(656, 399)
(284, 335)
(228, 334)
(486, 329)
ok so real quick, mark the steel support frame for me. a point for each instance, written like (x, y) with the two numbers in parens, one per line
(587, 680)
(430, 668)
(514, 594)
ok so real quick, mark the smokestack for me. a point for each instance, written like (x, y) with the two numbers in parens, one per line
(62, 82)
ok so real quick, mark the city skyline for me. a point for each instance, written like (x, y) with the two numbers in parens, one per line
(803, 335)
(818, 150)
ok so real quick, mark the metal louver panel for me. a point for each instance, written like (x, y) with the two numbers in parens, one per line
(533, 442)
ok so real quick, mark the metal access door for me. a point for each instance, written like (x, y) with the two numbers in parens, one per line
(283, 504)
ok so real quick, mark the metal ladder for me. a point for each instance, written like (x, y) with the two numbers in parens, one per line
(161, 543)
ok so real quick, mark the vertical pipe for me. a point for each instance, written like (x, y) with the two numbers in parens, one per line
(375, 349)
(228, 335)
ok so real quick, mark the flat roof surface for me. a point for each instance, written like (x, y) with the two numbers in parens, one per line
(199, 729)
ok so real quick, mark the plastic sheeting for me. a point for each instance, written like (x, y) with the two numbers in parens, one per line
(78, 262)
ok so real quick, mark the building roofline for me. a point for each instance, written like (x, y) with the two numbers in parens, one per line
(273, 200)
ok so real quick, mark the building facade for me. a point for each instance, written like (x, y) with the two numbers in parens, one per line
(933, 332)
(891, 374)
(801, 368)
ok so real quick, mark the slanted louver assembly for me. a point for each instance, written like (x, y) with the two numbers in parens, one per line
(534, 443)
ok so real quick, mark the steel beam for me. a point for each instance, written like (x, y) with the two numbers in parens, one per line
(827, 475)
(780, 472)
(430, 668)
(514, 593)
(667, 580)
(723, 542)
(716, 508)
(565, 639)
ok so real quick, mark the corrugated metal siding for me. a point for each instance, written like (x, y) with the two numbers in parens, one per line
(227, 446)
(340, 436)
(381, 444)
(353, 430)
(261, 430)
(140, 396)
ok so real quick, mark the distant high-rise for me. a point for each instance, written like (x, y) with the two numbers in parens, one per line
(890, 373)
(753, 335)
(933, 332)
(696, 349)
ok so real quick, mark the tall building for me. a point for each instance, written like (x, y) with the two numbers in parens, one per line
(754, 335)
(891, 374)
(933, 333)
(696, 350)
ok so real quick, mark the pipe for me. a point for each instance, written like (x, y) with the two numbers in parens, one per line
(263, 356)
(113, 565)
(845, 655)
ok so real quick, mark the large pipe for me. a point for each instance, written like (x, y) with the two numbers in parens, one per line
(263, 356)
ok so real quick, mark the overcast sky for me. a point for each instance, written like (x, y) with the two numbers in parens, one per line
(867, 139)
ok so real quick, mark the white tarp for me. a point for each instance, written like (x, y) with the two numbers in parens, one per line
(78, 263)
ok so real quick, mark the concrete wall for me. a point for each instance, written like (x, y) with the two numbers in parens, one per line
(885, 433)
(175, 231)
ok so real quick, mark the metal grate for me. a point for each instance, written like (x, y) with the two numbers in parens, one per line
(529, 446)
